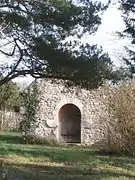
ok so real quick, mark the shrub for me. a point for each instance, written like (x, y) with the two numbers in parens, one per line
(121, 135)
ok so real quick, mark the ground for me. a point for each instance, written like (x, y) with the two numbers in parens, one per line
(32, 162)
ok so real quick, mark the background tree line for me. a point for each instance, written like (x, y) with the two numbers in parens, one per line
(9, 97)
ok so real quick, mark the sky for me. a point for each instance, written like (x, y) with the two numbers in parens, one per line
(105, 37)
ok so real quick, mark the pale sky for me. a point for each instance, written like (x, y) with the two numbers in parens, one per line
(106, 36)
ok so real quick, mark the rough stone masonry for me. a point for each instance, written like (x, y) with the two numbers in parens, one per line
(71, 114)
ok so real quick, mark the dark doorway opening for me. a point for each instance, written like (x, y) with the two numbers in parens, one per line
(70, 123)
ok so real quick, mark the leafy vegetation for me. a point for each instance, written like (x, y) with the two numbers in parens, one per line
(128, 9)
(34, 162)
(9, 96)
(37, 35)
(30, 104)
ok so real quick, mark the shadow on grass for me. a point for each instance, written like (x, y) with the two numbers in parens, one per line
(72, 158)
(54, 154)
(11, 138)
(29, 171)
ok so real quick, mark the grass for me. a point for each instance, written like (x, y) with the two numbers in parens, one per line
(33, 162)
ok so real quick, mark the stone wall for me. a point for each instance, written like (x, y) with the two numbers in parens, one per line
(95, 117)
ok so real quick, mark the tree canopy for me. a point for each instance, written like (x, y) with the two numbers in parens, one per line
(37, 36)
(128, 9)
(9, 96)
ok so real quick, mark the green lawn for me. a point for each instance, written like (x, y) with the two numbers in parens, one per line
(33, 162)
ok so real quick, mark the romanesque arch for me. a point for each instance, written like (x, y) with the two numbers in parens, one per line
(70, 123)
(66, 100)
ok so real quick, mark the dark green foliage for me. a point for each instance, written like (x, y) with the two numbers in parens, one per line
(128, 9)
(9, 96)
(30, 102)
(38, 33)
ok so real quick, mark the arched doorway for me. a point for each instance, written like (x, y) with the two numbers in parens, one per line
(70, 123)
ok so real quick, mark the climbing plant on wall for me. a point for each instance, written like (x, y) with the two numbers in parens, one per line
(30, 103)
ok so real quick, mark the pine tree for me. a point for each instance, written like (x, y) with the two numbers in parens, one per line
(36, 34)
(128, 9)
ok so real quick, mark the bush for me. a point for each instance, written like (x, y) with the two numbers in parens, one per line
(121, 135)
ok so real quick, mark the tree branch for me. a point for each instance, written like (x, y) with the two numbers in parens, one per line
(10, 76)
(9, 54)
(13, 7)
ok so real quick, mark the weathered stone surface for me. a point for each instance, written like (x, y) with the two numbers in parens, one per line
(94, 112)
